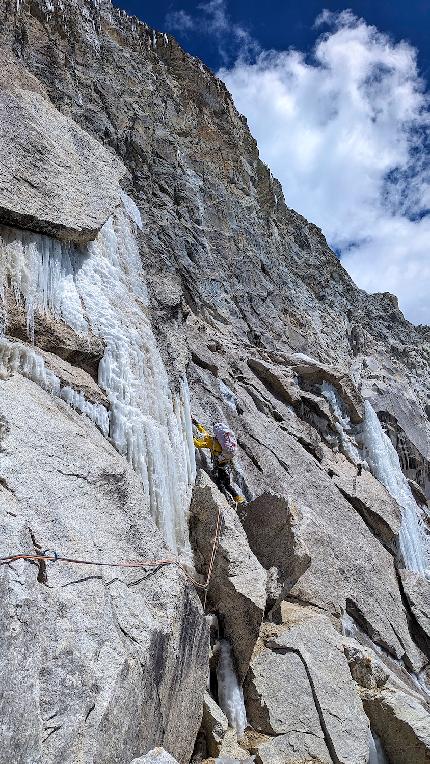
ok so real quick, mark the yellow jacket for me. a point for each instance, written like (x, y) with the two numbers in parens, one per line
(207, 441)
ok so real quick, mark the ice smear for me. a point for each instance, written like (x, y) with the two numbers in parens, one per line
(343, 423)
(230, 694)
(376, 751)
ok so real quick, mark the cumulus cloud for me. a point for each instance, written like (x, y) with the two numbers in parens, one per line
(346, 130)
(212, 20)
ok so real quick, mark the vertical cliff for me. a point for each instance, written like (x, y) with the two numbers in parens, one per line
(150, 265)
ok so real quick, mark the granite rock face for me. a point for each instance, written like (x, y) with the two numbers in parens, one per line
(96, 662)
(237, 589)
(299, 682)
(54, 178)
(249, 304)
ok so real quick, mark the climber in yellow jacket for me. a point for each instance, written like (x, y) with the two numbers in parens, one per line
(207, 440)
(222, 455)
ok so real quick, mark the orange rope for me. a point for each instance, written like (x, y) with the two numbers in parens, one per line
(128, 563)
(214, 552)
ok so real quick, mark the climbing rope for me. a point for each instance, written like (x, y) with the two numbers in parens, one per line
(52, 556)
(214, 552)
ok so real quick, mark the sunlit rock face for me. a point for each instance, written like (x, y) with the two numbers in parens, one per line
(150, 269)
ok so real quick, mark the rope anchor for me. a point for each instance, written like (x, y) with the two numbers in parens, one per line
(50, 555)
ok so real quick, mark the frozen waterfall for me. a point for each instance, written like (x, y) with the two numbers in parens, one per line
(230, 693)
(384, 463)
(100, 289)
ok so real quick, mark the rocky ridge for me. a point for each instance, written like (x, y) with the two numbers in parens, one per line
(131, 188)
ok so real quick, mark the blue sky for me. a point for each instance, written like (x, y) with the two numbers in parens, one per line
(337, 97)
(280, 24)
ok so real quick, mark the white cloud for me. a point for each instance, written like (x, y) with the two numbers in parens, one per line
(179, 21)
(212, 20)
(347, 133)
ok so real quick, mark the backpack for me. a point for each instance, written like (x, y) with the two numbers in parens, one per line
(227, 441)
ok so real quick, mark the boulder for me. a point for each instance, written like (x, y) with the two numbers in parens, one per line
(237, 589)
(54, 177)
(299, 682)
(215, 725)
(231, 750)
(156, 756)
(97, 663)
(294, 748)
(398, 708)
(271, 524)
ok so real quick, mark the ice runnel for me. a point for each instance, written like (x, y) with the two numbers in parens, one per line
(100, 288)
(376, 751)
(343, 423)
(384, 463)
(230, 693)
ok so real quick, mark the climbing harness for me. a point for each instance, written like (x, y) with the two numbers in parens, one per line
(49, 555)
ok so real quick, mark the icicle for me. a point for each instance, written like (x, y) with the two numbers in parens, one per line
(230, 694)
(101, 288)
(131, 210)
(384, 463)
(16, 357)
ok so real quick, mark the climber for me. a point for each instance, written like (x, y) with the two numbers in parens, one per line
(223, 446)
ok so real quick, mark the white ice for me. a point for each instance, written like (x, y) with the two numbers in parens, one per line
(342, 423)
(230, 693)
(101, 288)
(384, 463)
(15, 356)
(376, 751)
(228, 395)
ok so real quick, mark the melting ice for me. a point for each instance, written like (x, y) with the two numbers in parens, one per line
(100, 288)
(376, 751)
(385, 465)
(230, 694)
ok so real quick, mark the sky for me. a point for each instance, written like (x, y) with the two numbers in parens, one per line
(337, 97)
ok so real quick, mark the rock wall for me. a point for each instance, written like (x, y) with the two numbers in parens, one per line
(147, 257)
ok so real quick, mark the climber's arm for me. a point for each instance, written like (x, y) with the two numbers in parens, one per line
(206, 441)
